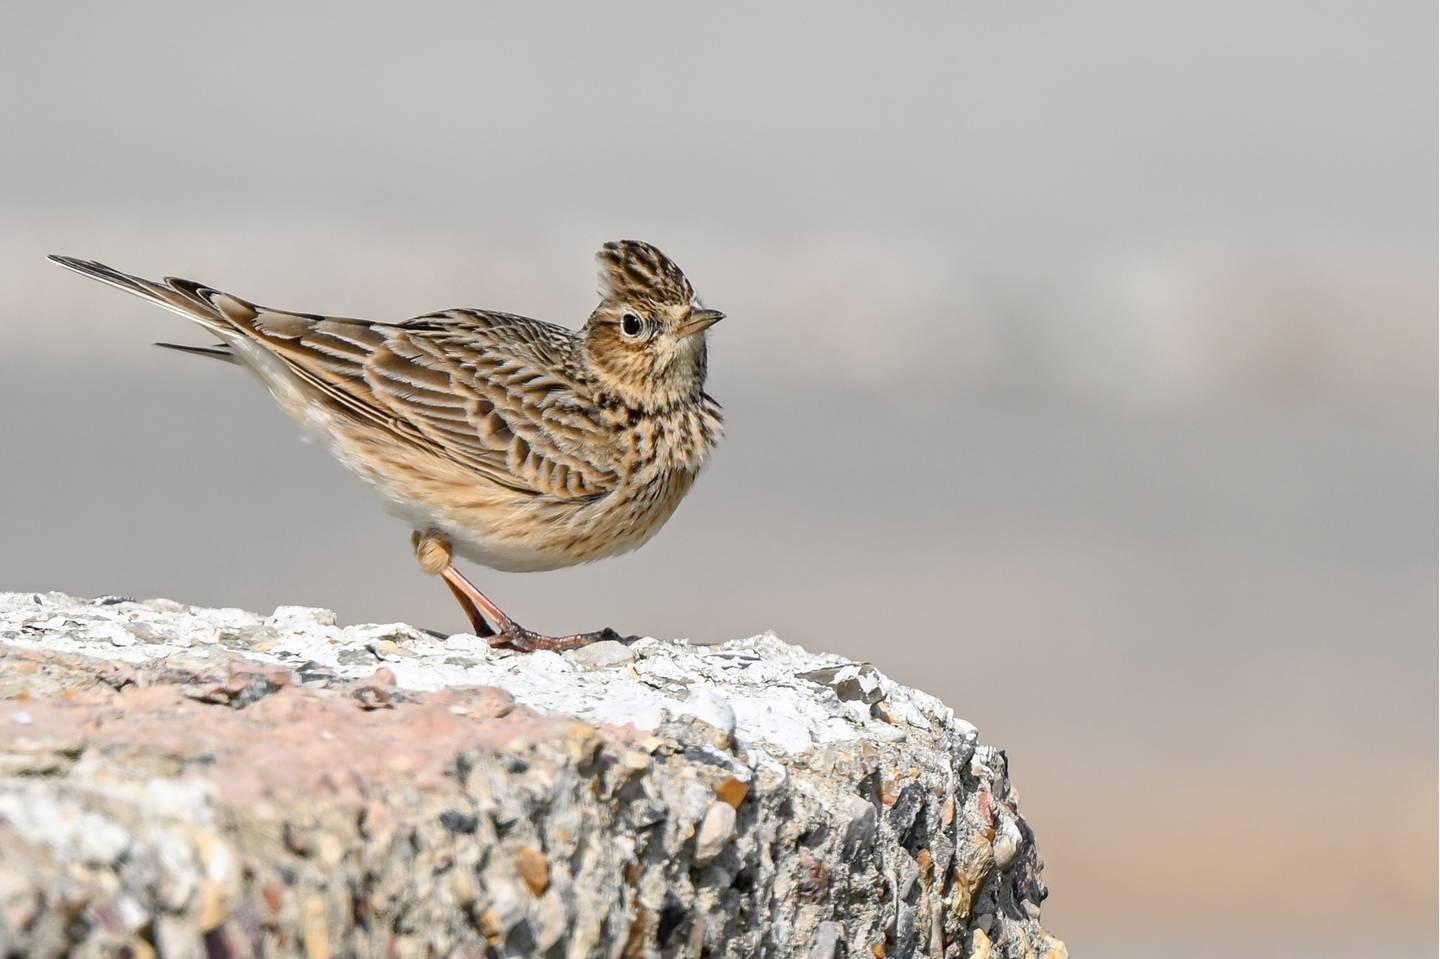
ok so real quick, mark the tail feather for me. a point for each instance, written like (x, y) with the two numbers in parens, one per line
(192, 300)
(180, 297)
(220, 351)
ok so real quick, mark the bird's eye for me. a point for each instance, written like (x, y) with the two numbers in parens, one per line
(630, 324)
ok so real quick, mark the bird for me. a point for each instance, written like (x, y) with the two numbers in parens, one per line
(515, 443)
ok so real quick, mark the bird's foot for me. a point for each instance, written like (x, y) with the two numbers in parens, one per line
(519, 638)
(433, 551)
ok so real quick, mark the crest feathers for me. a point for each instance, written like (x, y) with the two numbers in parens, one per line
(632, 270)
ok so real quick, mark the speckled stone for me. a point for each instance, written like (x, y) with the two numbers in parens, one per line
(189, 780)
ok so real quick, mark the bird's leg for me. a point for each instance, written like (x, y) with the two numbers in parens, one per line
(432, 551)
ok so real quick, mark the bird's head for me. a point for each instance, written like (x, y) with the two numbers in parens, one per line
(645, 342)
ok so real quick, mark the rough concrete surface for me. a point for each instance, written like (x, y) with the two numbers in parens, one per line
(179, 781)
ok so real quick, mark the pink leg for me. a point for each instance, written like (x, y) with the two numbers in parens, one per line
(432, 549)
(506, 631)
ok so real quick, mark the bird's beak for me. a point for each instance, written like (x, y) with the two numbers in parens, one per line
(699, 321)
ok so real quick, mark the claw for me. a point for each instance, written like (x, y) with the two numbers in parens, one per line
(519, 638)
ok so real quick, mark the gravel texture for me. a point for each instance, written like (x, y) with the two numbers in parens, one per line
(179, 781)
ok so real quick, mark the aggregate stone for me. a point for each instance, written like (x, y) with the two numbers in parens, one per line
(184, 781)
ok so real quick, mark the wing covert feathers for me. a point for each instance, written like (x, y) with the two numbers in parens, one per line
(497, 393)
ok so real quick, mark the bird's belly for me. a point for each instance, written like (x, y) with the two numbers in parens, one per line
(552, 534)
(497, 526)
(504, 553)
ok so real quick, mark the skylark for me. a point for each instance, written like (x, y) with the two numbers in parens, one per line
(519, 444)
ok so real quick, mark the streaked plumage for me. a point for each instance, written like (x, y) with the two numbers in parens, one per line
(527, 445)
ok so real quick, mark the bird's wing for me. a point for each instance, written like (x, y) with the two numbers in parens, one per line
(490, 391)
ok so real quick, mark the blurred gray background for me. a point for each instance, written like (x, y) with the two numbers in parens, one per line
(1080, 369)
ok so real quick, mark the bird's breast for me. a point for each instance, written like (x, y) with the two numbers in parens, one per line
(655, 459)
(675, 440)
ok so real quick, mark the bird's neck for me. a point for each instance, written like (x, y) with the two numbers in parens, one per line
(677, 437)
(646, 388)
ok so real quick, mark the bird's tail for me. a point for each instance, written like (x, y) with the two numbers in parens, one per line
(189, 299)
